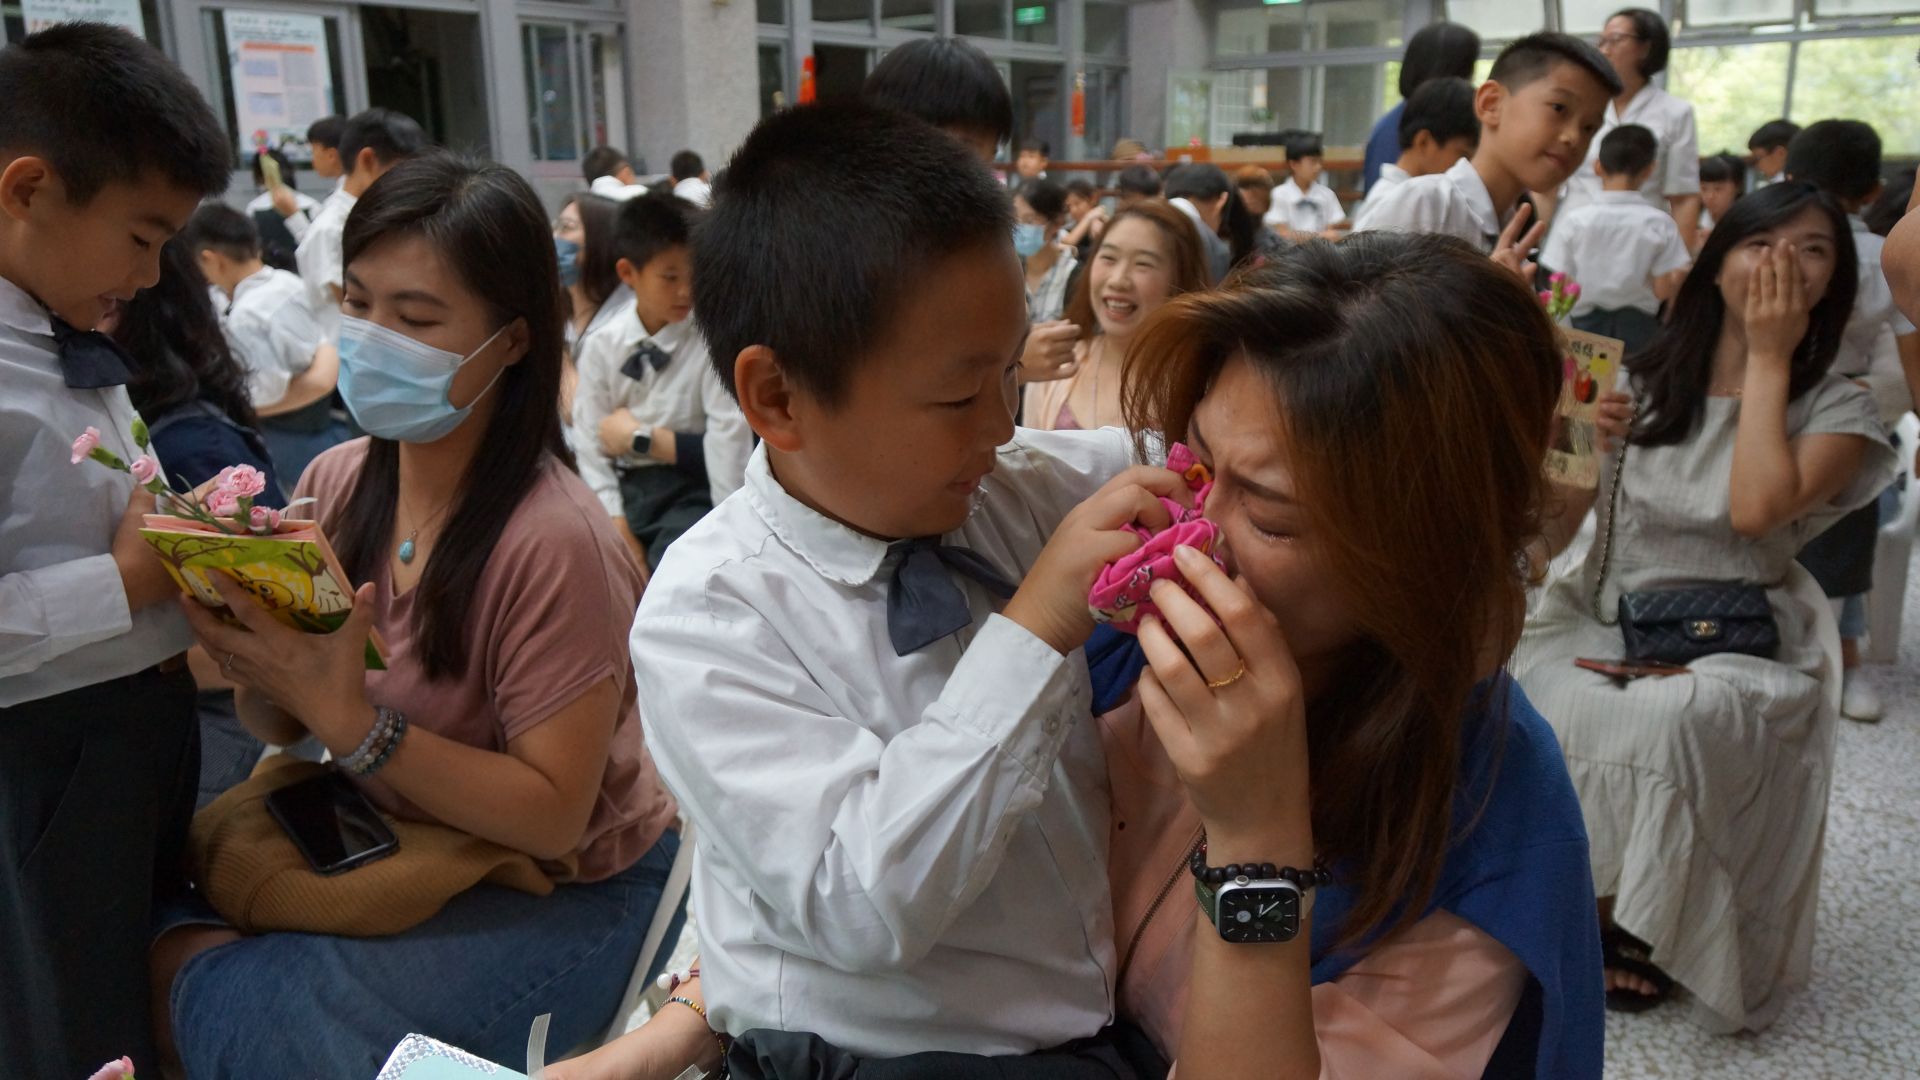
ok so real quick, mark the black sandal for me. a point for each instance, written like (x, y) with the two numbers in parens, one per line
(1621, 951)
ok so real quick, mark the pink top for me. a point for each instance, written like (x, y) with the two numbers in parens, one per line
(1430, 1001)
(549, 621)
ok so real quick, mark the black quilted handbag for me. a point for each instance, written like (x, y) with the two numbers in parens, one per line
(1675, 626)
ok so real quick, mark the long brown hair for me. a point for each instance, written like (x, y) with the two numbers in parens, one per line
(1189, 269)
(1415, 383)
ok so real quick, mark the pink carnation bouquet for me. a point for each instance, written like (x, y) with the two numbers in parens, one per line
(226, 505)
(1120, 595)
(1559, 297)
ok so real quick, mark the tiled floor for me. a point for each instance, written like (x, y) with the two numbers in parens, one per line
(1860, 1019)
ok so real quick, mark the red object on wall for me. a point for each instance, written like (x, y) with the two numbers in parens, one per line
(1080, 104)
(806, 81)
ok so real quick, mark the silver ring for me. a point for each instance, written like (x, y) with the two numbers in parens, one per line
(226, 666)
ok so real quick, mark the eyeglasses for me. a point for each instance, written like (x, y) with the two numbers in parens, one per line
(1608, 41)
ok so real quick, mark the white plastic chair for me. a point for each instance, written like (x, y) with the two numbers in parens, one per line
(656, 939)
(1893, 551)
(1826, 629)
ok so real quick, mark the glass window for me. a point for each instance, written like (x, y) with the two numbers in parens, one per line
(1869, 79)
(1352, 24)
(1724, 12)
(276, 72)
(1039, 104)
(550, 103)
(1270, 99)
(839, 71)
(980, 18)
(1350, 103)
(1734, 89)
(1830, 9)
(1036, 21)
(604, 62)
(843, 12)
(1252, 31)
(1588, 16)
(773, 78)
(1106, 33)
(907, 15)
(1499, 20)
(772, 12)
(14, 18)
(1106, 110)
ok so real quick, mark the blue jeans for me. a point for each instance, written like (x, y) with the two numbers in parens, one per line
(475, 975)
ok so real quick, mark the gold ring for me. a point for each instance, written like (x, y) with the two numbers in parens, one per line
(1238, 674)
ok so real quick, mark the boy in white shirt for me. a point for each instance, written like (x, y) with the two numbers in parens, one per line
(664, 441)
(372, 142)
(1538, 110)
(1303, 207)
(899, 792)
(1767, 151)
(1627, 256)
(1437, 129)
(690, 179)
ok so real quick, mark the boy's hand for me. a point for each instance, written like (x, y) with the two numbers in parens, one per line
(1512, 248)
(1052, 601)
(284, 203)
(616, 433)
(142, 573)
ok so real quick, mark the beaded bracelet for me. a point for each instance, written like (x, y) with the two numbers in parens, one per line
(393, 743)
(717, 1037)
(1318, 877)
(384, 720)
(366, 744)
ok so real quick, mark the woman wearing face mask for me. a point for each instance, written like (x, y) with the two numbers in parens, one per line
(1039, 213)
(507, 709)
(583, 243)
(1148, 254)
(1706, 793)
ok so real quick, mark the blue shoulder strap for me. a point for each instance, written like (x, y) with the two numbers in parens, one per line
(1114, 662)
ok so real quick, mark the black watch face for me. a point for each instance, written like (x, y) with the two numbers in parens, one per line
(1255, 915)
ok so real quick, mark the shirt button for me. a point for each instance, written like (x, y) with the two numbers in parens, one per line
(1052, 725)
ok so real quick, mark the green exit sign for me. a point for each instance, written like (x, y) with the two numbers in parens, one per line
(1029, 16)
(1276, 3)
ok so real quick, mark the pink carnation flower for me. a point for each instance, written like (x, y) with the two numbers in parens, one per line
(265, 519)
(241, 481)
(115, 1070)
(144, 469)
(1556, 277)
(85, 444)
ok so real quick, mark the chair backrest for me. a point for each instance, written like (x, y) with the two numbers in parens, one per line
(664, 914)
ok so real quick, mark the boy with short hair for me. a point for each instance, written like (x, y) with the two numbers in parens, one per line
(1767, 150)
(1437, 129)
(1303, 207)
(1538, 110)
(1032, 161)
(281, 212)
(949, 83)
(671, 443)
(899, 792)
(1626, 254)
(371, 143)
(690, 179)
(105, 150)
(323, 146)
(1136, 183)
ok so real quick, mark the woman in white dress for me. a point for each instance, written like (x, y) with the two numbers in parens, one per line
(1705, 793)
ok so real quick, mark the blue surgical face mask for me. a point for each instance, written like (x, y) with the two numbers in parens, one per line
(569, 255)
(1029, 239)
(397, 387)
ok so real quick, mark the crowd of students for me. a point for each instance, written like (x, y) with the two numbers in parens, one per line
(770, 501)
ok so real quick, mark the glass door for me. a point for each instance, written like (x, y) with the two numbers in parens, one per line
(271, 73)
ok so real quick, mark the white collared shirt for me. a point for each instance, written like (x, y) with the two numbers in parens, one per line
(899, 853)
(272, 331)
(1615, 247)
(306, 208)
(1869, 346)
(1391, 176)
(64, 622)
(321, 261)
(1452, 203)
(613, 189)
(694, 190)
(1676, 162)
(685, 397)
(1314, 210)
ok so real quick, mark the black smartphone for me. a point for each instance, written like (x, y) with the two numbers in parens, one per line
(332, 824)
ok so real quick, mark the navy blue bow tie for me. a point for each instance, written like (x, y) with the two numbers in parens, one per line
(89, 359)
(925, 603)
(647, 355)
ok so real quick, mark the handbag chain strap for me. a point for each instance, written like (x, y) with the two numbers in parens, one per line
(1606, 539)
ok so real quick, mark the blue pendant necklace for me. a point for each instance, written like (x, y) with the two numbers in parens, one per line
(406, 546)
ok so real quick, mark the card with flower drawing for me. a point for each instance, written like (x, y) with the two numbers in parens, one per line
(1591, 365)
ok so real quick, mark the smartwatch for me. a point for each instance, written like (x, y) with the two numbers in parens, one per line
(1249, 911)
(642, 442)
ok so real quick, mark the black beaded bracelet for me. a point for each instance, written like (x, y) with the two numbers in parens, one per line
(1318, 877)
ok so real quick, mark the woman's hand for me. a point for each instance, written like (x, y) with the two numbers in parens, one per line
(1511, 249)
(319, 679)
(1233, 718)
(1612, 420)
(1052, 601)
(1050, 352)
(1777, 310)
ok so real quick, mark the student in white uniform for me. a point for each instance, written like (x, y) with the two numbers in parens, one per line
(1636, 42)
(1627, 257)
(1539, 107)
(1438, 129)
(690, 179)
(1767, 151)
(1303, 207)
(280, 213)
(371, 143)
(671, 443)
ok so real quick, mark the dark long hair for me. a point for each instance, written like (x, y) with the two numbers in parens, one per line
(598, 278)
(1414, 383)
(488, 225)
(1674, 372)
(1206, 180)
(1438, 50)
(180, 356)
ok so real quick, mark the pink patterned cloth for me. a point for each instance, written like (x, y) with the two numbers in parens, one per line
(1119, 594)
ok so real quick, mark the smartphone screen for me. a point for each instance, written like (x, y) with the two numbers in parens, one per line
(332, 824)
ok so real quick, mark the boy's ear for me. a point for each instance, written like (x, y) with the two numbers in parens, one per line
(25, 180)
(1487, 103)
(1598, 169)
(767, 398)
(628, 273)
(366, 161)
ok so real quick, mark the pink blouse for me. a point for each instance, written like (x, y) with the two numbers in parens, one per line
(1430, 1001)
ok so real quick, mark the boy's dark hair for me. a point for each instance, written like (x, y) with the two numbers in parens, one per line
(1031, 145)
(103, 106)
(1082, 188)
(392, 136)
(1047, 198)
(1443, 108)
(686, 165)
(1531, 58)
(946, 82)
(1649, 27)
(814, 260)
(1438, 51)
(1305, 145)
(1205, 181)
(1773, 135)
(326, 131)
(219, 227)
(1723, 168)
(1138, 180)
(287, 173)
(647, 225)
(1840, 157)
(601, 161)
(1628, 150)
